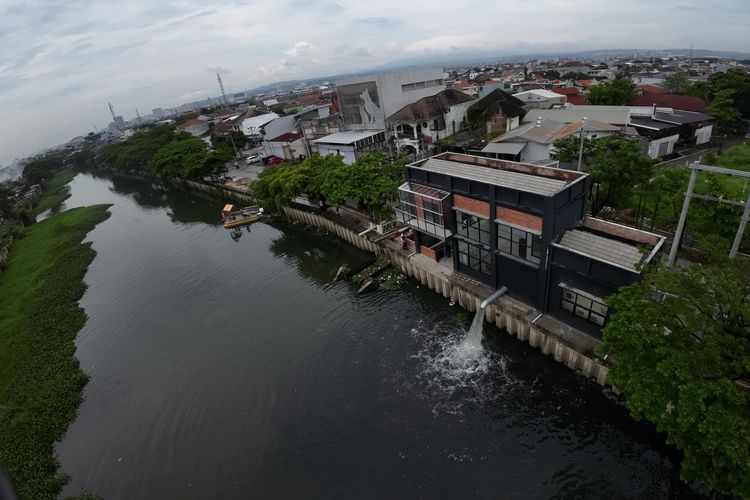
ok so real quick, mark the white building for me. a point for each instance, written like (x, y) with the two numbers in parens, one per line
(534, 142)
(367, 100)
(421, 123)
(351, 144)
(253, 126)
(540, 98)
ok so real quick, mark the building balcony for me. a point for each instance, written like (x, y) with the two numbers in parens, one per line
(425, 209)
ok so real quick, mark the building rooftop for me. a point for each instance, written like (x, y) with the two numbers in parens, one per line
(548, 131)
(287, 137)
(678, 102)
(616, 115)
(601, 248)
(622, 246)
(547, 94)
(430, 107)
(544, 181)
(346, 138)
(680, 117)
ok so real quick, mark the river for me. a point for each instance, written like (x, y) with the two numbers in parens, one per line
(239, 369)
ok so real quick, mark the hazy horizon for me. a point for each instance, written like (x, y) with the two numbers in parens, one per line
(64, 62)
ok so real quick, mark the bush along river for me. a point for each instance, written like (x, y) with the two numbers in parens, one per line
(223, 368)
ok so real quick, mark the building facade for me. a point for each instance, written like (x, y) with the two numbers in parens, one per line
(524, 227)
(367, 100)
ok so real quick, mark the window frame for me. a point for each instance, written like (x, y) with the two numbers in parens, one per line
(583, 305)
(519, 243)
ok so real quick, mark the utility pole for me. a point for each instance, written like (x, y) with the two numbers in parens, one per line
(584, 120)
(740, 230)
(112, 110)
(683, 217)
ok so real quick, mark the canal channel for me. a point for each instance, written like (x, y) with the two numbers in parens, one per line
(223, 368)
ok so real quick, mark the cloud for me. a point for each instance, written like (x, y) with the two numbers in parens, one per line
(62, 61)
(298, 48)
(360, 52)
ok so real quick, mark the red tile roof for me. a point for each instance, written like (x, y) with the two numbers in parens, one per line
(682, 102)
(566, 91)
(652, 89)
(577, 100)
(183, 126)
(288, 137)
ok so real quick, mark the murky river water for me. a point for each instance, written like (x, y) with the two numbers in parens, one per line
(238, 369)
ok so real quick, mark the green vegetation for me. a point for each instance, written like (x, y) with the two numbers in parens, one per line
(616, 167)
(660, 200)
(676, 83)
(41, 170)
(370, 183)
(40, 379)
(682, 360)
(163, 152)
(722, 108)
(614, 93)
(57, 191)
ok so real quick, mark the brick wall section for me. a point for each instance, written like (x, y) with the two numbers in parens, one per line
(518, 218)
(478, 207)
(428, 252)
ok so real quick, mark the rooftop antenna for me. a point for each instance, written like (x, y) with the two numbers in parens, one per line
(112, 110)
(221, 86)
(137, 113)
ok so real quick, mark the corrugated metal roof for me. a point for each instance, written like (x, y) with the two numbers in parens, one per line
(603, 249)
(528, 183)
(504, 148)
(349, 137)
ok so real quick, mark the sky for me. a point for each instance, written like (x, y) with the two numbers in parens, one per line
(63, 61)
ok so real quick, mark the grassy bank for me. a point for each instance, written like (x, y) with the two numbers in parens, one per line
(57, 192)
(40, 380)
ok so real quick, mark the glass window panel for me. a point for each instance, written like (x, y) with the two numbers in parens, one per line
(583, 302)
(582, 312)
(567, 305)
(567, 294)
(596, 319)
(599, 308)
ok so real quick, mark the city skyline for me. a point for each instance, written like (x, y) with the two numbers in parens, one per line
(68, 61)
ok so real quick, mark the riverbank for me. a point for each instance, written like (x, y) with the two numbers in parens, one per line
(56, 192)
(40, 378)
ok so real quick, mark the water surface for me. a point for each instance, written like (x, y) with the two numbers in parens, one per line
(238, 369)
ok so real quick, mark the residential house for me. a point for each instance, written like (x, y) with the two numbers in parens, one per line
(289, 146)
(194, 127)
(572, 95)
(351, 144)
(421, 123)
(540, 99)
(534, 142)
(523, 227)
(663, 128)
(253, 126)
(497, 112)
(674, 101)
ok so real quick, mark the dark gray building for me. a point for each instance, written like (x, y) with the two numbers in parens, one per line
(524, 227)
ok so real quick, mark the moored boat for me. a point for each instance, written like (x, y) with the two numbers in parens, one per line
(236, 218)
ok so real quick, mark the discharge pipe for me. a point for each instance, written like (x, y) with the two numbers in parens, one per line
(493, 297)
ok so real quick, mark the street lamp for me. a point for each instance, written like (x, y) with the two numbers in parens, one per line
(584, 120)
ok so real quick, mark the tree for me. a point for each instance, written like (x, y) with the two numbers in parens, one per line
(722, 108)
(189, 159)
(240, 140)
(617, 169)
(680, 345)
(568, 148)
(614, 93)
(735, 79)
(677, 83)
(551, 74)
(136, 152)
(697, 89)
(41, 170)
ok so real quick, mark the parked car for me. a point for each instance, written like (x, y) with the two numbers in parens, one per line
(273, 160)
(252, 159)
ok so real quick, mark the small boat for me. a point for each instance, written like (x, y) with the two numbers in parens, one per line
(236, 218)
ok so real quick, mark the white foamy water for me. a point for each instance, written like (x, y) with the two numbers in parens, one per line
(456, 369)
